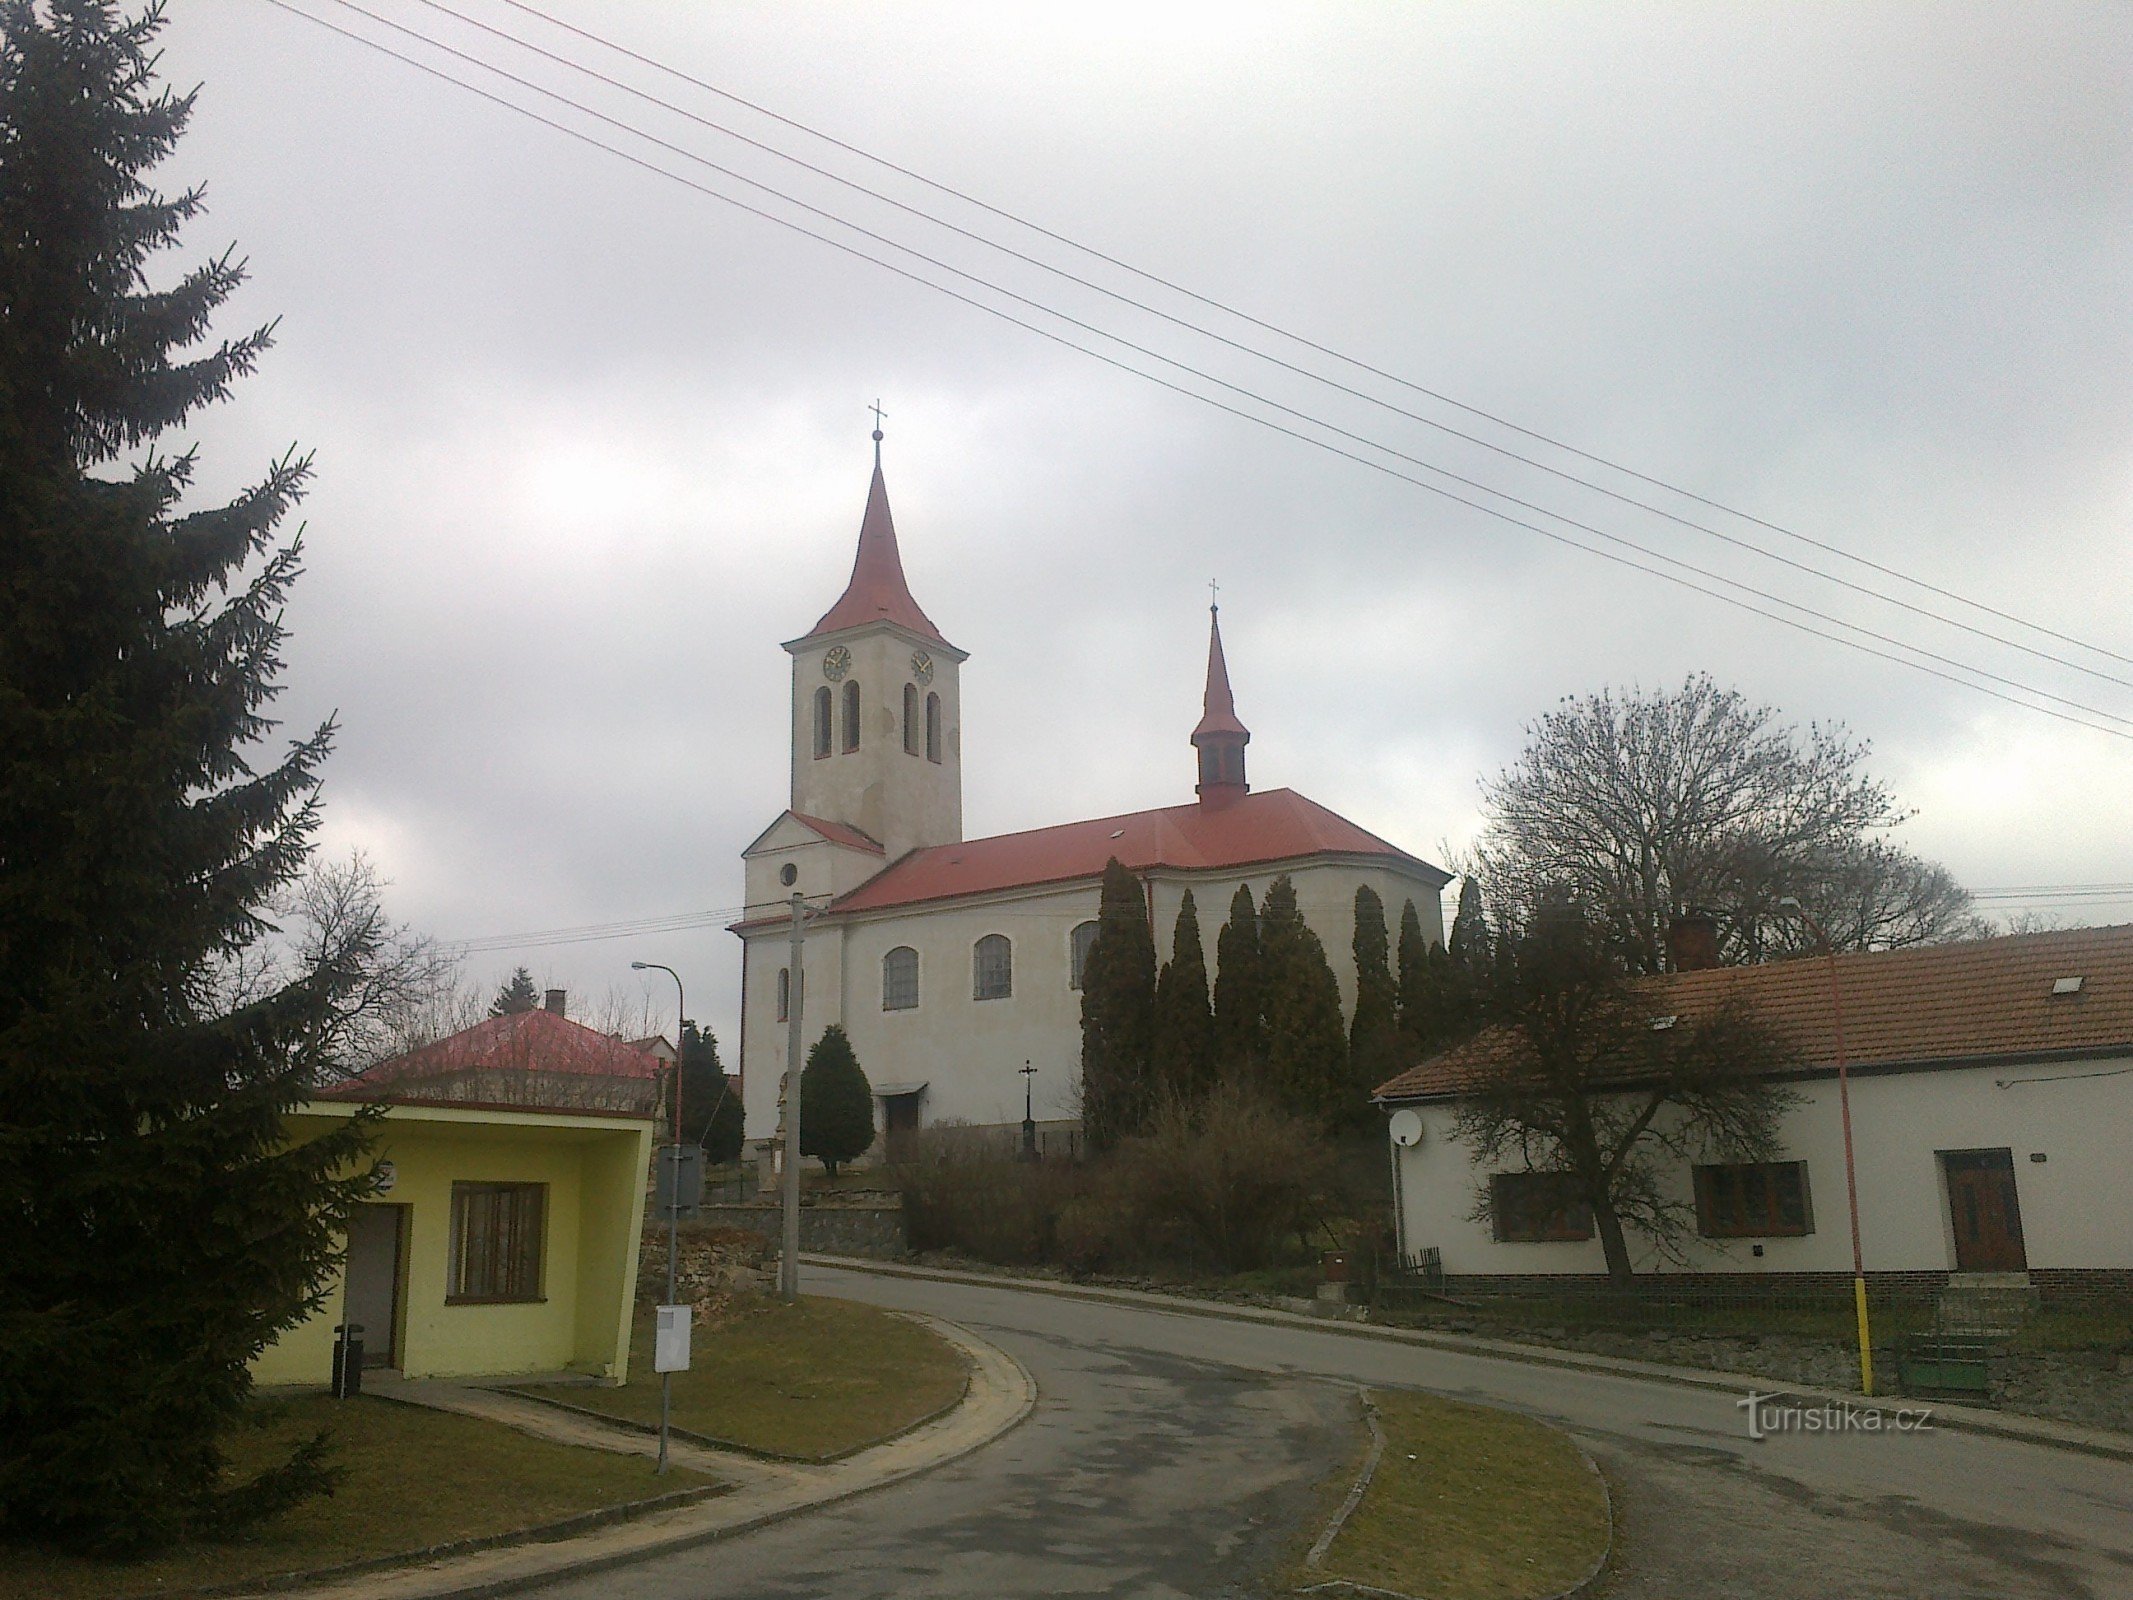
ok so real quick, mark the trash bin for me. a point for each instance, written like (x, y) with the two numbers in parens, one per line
(347, 1360)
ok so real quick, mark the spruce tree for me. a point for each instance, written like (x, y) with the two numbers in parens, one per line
(1239, 1004)
(1413, 969)
(160, 1227)
(836, 1103)
(1374, 1051)
(1470, 931)
(710, 1110)
(1184, 1021)
(1306, 1037)
(1118, 1014)
(516, 996)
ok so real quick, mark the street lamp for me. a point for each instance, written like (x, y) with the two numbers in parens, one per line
(673, 1167)
(1844, 1103)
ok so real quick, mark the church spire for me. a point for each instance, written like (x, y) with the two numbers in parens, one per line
(1220, 738)
(877, 591)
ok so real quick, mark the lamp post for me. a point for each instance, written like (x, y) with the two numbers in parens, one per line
(1844, 1104)
(673, 1165)
(1029, 1113)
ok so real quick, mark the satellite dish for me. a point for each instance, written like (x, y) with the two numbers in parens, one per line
(1406, 1129)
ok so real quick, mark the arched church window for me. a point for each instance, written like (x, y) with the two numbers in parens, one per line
(851, 713)
(1084, 940)
(822, 723)
(933, 727)
(910, 719)
(899, 979)
(992, 968)
(784, 993)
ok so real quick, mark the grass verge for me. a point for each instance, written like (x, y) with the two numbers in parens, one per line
(1470, 1503)
(414, 1479)
(811, 1381)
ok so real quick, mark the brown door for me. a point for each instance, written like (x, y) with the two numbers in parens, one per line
(1987, 1217)
(899, 1115)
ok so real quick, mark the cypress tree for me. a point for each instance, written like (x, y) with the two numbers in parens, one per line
(1118, 1014)
(516, 996)
(1184, 1022)
(1374, 1050)
(1306, 1040)
(710, 1110)
(836, 1103)
(1470, 931)
(1239, 1005)
(160, 1227)
(1413, 969)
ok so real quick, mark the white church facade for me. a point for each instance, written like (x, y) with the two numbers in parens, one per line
(954, 963)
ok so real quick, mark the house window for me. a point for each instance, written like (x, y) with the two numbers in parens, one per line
(822, 722)
(1534, 1207)
(899, 979)
(933, 727)
(496, 1242)
(1753, 1200)
(851, 713)
(784, 993)
(992, 968)
(910, 719)
(1084, 940)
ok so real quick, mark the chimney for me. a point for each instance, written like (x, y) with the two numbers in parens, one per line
(554, 1001)
(1692, 941)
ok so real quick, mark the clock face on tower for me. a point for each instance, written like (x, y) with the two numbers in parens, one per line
(921, 666)
(836, 662)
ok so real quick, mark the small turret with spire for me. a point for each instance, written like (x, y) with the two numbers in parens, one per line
(1220, 738)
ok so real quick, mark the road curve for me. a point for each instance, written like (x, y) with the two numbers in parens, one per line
(1174, 1455)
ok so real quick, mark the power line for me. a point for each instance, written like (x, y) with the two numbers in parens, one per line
(1284, 333)
(995, 311)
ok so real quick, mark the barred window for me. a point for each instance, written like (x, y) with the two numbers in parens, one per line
(1084, 940)
(1536, 1207)
(899, 979)
(497, 1239)
(933, 727)
(822, 723)
(992, 968)
(851, 713)
(910, 719)
(1753, 1200)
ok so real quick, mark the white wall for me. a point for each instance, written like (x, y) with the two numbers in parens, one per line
(901, 801)
(2076, 1205)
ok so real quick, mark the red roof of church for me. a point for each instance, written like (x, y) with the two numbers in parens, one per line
(840, 833)
(1274, 825)
(877, 591)
(1935, 1005)
(1220, 715)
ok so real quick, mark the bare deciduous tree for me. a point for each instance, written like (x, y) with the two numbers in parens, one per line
(1644, 806)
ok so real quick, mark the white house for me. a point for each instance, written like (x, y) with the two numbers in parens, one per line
(1991, 1088)
(952, 963)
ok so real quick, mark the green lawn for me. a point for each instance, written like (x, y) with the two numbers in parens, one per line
(813, 1380)
(1470, 1503)
(415, 1478)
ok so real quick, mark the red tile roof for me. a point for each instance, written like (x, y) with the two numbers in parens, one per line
(528, 1060)
(840, 833)
(877, 591)
(1276, 825)
(1935, 1005)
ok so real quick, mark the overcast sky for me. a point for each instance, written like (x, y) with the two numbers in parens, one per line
(590, 444)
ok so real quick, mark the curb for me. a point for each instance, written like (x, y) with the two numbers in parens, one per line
(1959, 1419)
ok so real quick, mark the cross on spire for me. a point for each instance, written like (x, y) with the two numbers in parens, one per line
(1214, 595)
(878, 415)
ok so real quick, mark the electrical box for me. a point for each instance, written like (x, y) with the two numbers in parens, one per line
(670, 1339)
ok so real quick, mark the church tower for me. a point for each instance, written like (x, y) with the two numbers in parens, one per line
(877, 715)
(1220, 738)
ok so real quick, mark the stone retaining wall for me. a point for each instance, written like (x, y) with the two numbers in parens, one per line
(874, 1231)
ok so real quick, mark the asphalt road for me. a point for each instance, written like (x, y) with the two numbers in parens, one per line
(1180, 1455)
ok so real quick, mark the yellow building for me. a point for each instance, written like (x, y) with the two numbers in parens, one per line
(503, 1240)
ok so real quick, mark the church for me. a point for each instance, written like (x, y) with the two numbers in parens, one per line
(953, 964)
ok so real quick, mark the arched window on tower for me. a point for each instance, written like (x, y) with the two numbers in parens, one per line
(784, 993)
(822, 723)
(1084, 940)
(933, 727)
(992, 968)
(899, 979)
(910, 719)
(851, 713)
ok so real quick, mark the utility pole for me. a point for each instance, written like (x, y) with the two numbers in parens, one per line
(796, 994)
